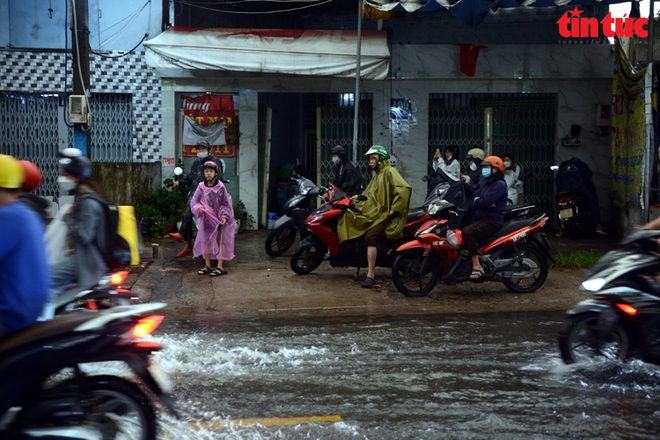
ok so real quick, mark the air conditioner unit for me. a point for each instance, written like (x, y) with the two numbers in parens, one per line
(78, 109)
(603, 115)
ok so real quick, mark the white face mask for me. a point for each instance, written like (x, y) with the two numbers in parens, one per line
(202, 154)
(67, 186)
(507, 164)
(473, 166)
(336, 160)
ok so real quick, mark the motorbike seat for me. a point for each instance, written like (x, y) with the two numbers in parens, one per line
(44, 330)
(415, 213)
(506, 229)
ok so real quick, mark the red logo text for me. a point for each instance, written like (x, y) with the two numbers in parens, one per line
(574, 26)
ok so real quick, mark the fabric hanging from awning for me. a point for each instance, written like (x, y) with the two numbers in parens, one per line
(472, 12)
(329, 53)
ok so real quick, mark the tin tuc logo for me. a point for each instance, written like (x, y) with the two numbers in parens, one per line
(574, 26)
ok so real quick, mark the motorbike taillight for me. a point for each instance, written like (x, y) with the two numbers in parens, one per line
(145, 326)
(118, 277)
(627, 309)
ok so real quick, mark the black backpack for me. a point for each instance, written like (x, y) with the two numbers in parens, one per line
(116, 251)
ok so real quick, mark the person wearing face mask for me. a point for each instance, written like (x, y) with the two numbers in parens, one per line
(488, 206)
(512, 179)
(473, 159)
(192, 181)
(347, 177)
(85, 218)
(450, 164)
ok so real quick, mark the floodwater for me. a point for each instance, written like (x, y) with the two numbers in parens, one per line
(431, 377)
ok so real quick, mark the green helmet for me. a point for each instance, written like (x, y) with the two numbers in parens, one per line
(378, 149)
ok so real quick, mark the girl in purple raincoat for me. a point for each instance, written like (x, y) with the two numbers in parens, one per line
(212, 204)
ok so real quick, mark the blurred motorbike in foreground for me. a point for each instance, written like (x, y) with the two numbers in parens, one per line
(622, 320)
(44, 392)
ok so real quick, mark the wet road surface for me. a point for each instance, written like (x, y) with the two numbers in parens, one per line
(446, 376)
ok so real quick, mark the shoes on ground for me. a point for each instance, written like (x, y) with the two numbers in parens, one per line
(370, 283)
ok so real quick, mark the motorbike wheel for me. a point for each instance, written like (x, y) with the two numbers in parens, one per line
(530, 259)
(308, 257)
(580, 339)
(114, 408)
(280, 240)
(415, 275)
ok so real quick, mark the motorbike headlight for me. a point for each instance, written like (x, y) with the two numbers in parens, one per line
(593, 285)
(434, 208)
(452, 239)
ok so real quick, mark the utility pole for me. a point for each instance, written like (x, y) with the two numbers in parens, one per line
(80, 64)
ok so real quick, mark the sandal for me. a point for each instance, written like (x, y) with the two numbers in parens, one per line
(370, 283)
(205, 271)
(217, 272)
(476, 274)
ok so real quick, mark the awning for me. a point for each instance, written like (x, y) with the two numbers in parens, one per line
(472, 12)
(284, 51)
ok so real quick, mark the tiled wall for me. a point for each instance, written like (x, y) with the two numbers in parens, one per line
(45, 72)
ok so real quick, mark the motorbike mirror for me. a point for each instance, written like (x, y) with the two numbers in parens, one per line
(554, 168)
(425, 179)
(178, 171)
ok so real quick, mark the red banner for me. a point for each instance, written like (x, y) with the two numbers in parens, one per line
(201, 113)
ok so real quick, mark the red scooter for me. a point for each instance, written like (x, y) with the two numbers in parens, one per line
(516, 255)
(323, 238)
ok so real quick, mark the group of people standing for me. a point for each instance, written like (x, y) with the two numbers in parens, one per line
(450, 164)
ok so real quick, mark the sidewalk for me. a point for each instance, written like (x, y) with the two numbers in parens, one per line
(261, 286)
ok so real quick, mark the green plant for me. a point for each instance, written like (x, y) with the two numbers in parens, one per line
(240, 213)
(575, 260)
(576, 129)
(161, 207)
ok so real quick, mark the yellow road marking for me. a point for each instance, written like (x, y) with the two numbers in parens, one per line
(265, 421)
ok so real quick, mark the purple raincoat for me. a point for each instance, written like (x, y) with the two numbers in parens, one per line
(217, 205)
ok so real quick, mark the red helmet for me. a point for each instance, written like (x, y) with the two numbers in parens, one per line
(493, 161)
(33, 175)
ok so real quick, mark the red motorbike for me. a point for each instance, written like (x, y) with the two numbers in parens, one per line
(516, 255)
(323, 238)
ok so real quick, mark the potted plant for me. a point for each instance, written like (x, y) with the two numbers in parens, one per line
(161, 208)
(573, 139)
(243, 219)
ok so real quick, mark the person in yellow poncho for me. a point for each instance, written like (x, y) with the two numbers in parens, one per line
(385, 210)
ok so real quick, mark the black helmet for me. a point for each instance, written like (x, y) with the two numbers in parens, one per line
(338, 150)
(78, 166)
(203, 144)
(454, 151)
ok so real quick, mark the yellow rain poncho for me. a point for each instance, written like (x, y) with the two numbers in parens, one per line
(386, 191)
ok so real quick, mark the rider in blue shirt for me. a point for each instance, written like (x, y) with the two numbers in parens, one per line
(23, 268)
(488, 206)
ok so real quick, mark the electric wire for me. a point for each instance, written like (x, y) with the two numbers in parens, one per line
(124, 54)
(254, 12)
(124, 28)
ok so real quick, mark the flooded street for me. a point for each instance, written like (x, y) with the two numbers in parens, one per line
(430, 377)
